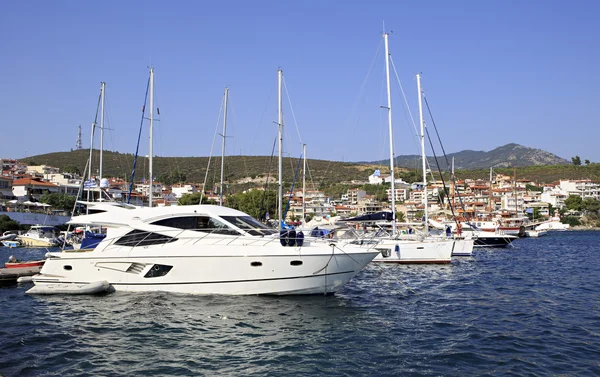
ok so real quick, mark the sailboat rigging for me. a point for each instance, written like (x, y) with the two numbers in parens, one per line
(224, 135)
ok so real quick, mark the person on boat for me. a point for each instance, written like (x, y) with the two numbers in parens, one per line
(448, 231)
(459, 229)
(12, 259)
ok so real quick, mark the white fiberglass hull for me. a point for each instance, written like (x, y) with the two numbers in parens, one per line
(37, 242)
(228, 270)
(463, 247)
(415, 252)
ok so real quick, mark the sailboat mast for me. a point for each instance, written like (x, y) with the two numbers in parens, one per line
(515, 194)
(151, 132)
(223, 147)
(90, 162)
(280, 137)
(491, 196)
(304, 185)
(452, 185)
(102, 88)
(424, 157)
(389, 108)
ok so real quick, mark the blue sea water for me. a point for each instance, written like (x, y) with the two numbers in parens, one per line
(529, 310)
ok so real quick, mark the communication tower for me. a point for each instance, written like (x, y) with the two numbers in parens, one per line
(78, 145)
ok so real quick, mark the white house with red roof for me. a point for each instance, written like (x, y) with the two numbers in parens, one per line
(32, 188)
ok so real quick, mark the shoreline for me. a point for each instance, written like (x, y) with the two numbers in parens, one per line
(584, 227)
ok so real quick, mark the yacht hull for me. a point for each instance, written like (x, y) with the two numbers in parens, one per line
(493, 240)
(250, 271)
(463, 247)
(414, 252)
(35, 242)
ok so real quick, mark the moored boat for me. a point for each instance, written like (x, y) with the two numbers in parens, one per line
(14, 269)
(492, 239)
(202, 249)
(11, 243)
(40, 236)
(24, 264)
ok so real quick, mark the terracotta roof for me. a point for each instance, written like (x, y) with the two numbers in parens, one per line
(32, 182)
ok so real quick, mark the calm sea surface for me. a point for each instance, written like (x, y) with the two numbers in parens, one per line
(530, 310)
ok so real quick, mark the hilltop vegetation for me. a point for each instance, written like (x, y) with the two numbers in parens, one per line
(509, 155)
(242, 172)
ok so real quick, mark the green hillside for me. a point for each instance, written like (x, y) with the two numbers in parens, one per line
(322, 174)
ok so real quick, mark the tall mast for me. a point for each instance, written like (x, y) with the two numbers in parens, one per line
(515, 193)
(223, 147)
(151, 131)
(452, 185)
(90, 162)
(280, 137)
(389, 108)
(304, 185)
(491, 196)
(102, 88)
(424, 157)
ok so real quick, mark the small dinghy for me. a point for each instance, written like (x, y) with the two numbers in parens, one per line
(25, 264)
(14, 269)
(70, 288)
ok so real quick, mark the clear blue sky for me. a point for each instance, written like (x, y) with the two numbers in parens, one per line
(494, 72)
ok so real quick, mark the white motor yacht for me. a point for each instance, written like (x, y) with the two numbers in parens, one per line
(200, 249)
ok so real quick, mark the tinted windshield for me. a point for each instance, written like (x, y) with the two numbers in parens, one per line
(250, 225)
(197, 223)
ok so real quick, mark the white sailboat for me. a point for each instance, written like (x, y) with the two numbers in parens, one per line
(199, 249)
(395, 249)
(90, 238)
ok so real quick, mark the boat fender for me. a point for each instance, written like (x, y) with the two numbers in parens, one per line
(299, 238)
(397, 250)
(291, 237)
(283, 237)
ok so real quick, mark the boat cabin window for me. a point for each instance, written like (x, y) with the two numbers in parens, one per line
(143, 238)
(250, 224)
(198, 223)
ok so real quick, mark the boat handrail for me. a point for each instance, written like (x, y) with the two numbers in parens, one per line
(195, 238)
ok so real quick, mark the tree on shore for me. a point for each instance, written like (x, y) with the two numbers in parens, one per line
(58, 200)
(6, 223)
(256, 203)
(573, 202)
(576, 160)
(192, 199)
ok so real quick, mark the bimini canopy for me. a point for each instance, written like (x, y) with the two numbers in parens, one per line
(379, 216)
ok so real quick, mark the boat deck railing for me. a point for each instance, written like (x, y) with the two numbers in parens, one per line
(222, 236)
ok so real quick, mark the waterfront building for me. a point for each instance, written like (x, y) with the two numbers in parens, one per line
(581, 187)
(181, 189)
(6, 187)
(32, 188)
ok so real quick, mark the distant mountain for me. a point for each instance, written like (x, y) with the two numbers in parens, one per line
(509, 155)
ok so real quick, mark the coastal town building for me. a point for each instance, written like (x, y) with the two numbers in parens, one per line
(583, 187)
(41, 170)
(476, 198)
(32, 188)
(180, 189)
(6, 184)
